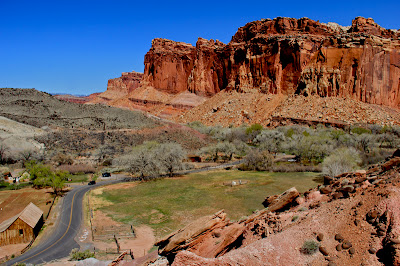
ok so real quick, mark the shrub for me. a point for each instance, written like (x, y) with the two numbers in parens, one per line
(80, 255)
(340, 161)
(257, 160)
(254, 128)
(309, 247)
(294, 218)
(360, 130)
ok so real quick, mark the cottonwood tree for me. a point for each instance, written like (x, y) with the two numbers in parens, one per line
(42, 176)
(270, 140)
(227, 148)
(155, 159)
(212, 151)
(143, 161)
(170, 156)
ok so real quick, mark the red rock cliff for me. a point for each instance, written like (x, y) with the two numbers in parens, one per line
(284, 55)
(126, 84)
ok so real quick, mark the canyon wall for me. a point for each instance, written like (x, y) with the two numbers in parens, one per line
(287, 56)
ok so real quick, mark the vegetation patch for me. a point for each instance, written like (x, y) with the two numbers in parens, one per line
(170, 203)
(309, 247)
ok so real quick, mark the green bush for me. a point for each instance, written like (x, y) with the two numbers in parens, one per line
(80, 255)
(360, 130)
(254, 128)
(309, 247)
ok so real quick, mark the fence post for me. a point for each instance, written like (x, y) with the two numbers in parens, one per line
(116, 241)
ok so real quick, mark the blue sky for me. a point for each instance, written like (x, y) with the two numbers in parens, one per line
(76, 46)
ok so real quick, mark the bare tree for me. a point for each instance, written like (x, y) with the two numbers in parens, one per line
(170, 156)
(257, 160)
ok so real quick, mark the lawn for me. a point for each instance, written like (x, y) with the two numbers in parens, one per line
(168, 204)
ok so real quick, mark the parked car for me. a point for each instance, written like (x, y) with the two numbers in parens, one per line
(92, 182)
(106, 174)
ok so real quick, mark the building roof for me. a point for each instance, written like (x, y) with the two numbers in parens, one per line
(30, 215)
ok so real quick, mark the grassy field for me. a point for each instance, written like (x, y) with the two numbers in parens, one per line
(168, 204)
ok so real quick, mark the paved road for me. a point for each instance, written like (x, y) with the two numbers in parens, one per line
(61, 242)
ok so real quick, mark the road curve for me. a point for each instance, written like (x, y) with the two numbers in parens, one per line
(61, 242)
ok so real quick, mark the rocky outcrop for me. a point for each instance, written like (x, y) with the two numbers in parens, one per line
(284, 55)
(281, 202)
(126, 84)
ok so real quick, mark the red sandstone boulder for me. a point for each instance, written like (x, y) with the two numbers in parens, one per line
(279, 203)
(391, 163)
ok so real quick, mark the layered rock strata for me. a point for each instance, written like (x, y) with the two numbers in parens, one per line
(287, 56)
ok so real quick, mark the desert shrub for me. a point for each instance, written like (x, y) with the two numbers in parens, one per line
(376, 155)
(294, 218)
(360, 130)
(363, 142)
(387, 140)
(342, 160)
(77, 169)
(257, 160)
(376, 129)
(309, 247)
(80, 255)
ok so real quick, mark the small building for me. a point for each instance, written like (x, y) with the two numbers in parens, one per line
(23, 227)
(7, 177)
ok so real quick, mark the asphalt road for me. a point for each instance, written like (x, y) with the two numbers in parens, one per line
(61, 242)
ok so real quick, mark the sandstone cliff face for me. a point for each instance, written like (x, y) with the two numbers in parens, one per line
(126, 84)
(285, 56)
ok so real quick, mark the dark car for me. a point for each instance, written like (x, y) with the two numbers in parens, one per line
(92, 182)
(106, 174)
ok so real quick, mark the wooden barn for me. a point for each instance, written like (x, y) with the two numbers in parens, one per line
(23, 227)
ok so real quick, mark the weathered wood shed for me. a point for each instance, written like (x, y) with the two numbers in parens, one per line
(23, 227)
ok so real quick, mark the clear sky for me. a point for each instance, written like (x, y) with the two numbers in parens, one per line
(74, 47)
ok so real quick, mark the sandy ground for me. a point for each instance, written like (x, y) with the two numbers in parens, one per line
(11, 249)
